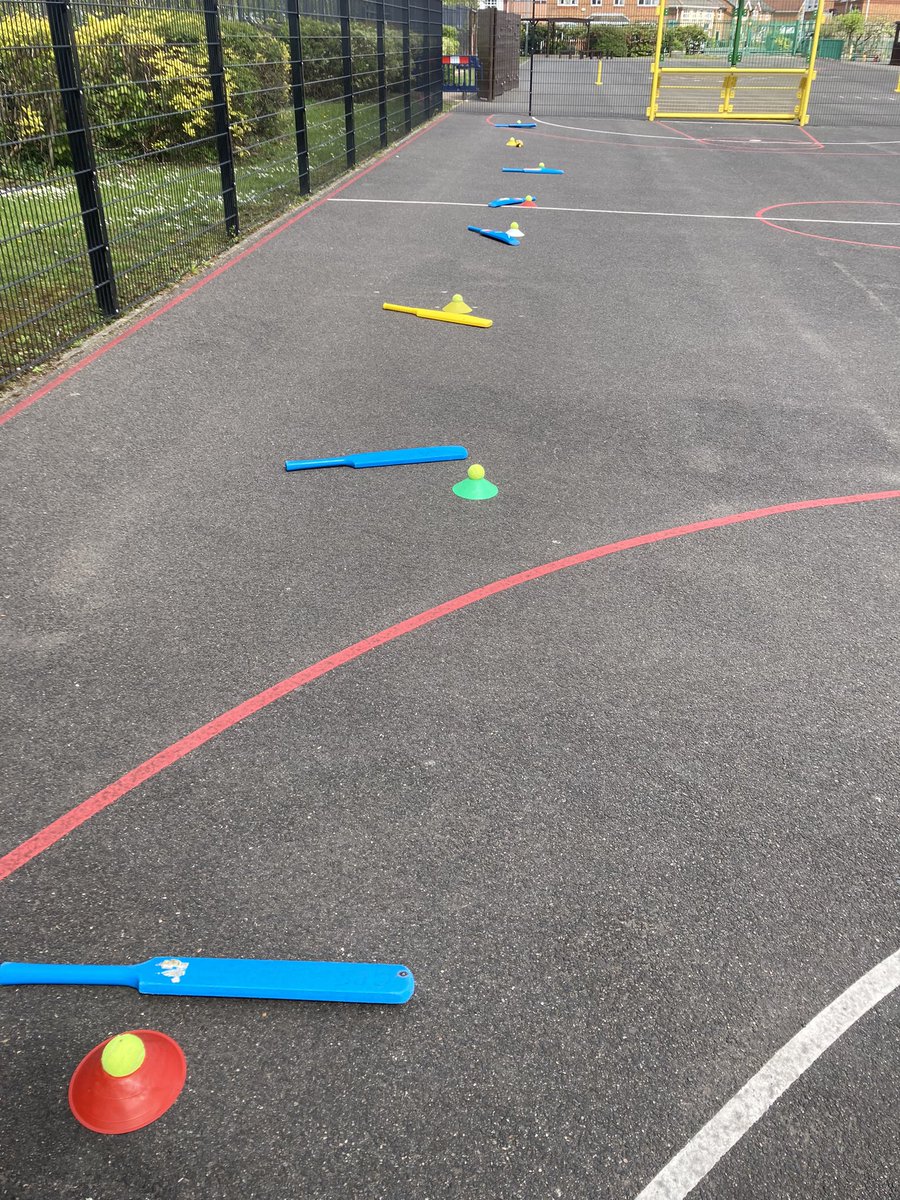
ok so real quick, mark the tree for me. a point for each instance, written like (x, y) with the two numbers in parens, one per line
(849, 26)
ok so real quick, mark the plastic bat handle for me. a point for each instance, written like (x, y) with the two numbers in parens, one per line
(306, 464)
(17, 972)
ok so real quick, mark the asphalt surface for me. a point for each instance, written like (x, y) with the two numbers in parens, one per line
(631, 825)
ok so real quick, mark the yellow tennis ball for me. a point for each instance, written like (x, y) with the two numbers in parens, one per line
(122, 1055)
(476, 471)
(540, 164)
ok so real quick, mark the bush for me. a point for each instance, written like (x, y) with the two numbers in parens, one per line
(690, 38)
(161, 98)
(640, 40)
(626, 41)
(29, 97)
(608, 41)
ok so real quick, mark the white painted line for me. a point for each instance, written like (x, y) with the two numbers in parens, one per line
(682, 1173)
(668, 138)
(664, 137)
(516, 209)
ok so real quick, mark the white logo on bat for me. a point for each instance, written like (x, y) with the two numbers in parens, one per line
(173, 968)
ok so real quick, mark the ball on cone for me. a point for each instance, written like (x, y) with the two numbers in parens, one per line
(127, 1082)
(475, 486)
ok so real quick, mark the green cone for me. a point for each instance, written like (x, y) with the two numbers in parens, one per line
(475, 486)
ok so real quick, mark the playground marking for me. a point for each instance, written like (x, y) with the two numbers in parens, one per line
(668, 137)
(626, 212)
(70, 820)
(691, 1164)
(780, 222)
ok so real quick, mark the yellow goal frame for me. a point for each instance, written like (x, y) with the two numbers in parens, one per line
(726, 81)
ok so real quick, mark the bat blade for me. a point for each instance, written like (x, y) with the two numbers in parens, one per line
(416, 454)
(277, 979)
(497, 235)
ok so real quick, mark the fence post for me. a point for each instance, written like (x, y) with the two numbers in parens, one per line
(530, 38)
(382, 77)
(298, 94)
(407, 70)
(220, 115)
(347, 71)
(81, 147)
(436, 69)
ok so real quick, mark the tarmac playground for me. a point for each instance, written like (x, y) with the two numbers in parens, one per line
(630, 820)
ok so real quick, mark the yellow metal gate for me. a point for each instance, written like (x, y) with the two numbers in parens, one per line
(727, 92)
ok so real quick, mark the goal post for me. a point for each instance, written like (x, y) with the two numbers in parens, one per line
(728, 92)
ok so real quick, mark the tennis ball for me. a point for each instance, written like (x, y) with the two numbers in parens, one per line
(122, 1055)
(540, 164)
(476, 471)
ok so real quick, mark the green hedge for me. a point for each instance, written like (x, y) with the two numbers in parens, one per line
(161, 99)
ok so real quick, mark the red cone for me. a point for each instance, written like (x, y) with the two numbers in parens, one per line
(127, 1081)
(528, 203)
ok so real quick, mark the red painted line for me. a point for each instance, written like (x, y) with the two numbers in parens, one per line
(79, 366)
(56, 830)
(821, 237)
(815, 141)
(690, 137)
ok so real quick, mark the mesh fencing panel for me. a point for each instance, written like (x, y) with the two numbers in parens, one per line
(138, 139)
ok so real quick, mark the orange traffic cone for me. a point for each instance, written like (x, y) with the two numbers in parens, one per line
(127, 1082)
(528, 202)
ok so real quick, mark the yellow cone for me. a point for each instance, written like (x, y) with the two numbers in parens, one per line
(457, 305)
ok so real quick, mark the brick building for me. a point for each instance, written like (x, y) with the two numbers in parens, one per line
(610, 12)
(872, 10)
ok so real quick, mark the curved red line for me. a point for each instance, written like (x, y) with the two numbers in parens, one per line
(56, 830)
(821, 237)
(79, 366)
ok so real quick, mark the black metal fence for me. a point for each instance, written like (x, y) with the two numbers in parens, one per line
(459, 29)
(138, 139)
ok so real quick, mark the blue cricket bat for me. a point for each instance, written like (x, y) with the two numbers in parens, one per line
(531, 171)
(497, 234)
(517, 125)
(382, 458)
(507, 200)
(270, 979)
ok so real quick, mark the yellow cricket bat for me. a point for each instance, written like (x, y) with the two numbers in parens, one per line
(435, 314)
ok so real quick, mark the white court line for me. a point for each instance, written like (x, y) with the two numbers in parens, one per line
(666, 137)
(682, 1173)
(620, 212)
